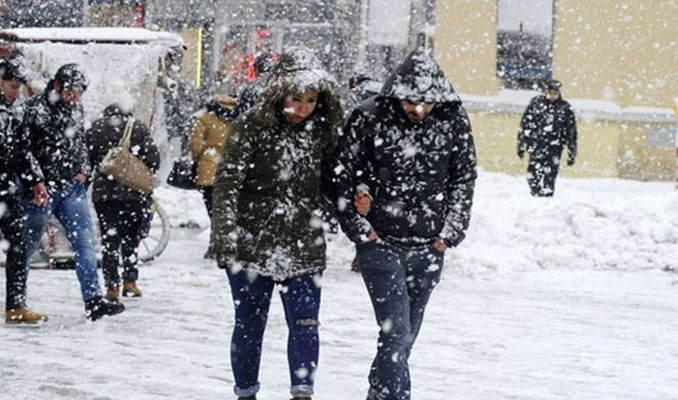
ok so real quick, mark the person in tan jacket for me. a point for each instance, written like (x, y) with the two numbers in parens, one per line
(206, 144)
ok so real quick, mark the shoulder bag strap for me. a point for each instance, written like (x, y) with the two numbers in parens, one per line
(126, 140)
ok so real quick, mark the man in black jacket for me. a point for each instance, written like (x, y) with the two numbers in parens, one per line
(547, 125)
(409, 154)
(54, 129)
(15, 162)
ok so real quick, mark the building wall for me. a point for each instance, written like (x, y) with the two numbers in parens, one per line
(624, 52)
(495, 135)
(466, 44)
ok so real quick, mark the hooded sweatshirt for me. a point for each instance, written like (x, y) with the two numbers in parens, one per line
(421, 175)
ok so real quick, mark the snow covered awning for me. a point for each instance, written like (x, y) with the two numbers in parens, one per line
(89, 35)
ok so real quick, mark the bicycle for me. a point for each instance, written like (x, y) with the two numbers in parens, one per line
(55, 251)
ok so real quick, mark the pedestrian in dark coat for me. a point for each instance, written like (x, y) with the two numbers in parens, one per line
(54, 126)
(547, 126)
(267, 215)
(15, 161)
(120, 209)
(410, 153)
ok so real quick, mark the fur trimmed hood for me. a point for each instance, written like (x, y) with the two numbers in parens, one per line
(297, 71)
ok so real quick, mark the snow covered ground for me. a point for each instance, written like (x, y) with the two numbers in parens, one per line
(561, 298)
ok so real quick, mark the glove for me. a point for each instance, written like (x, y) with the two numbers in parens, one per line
(521, 153)
(570, 162)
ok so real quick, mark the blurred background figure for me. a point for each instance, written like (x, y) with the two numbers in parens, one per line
(547, 126)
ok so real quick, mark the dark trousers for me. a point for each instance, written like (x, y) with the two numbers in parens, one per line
(206, 192)
(542, 174)
(13, 227)
(400, 281)
(252, 298)
(119, 224)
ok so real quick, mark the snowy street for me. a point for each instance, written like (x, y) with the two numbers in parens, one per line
(561, 298)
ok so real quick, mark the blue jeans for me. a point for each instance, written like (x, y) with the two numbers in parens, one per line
(69, 206)
(252, 298)
(400, 281)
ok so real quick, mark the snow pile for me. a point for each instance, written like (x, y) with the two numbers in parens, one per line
(589, 224)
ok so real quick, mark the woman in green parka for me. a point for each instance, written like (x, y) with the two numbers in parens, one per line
(267, 219)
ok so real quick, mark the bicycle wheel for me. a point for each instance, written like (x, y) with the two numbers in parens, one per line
(155, 243)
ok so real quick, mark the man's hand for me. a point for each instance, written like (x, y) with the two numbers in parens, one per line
(439, 245)
(362, 203)
(372, 237)
(40, 195)
(80, 177)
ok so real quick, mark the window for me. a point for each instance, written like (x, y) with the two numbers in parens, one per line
(524, 42)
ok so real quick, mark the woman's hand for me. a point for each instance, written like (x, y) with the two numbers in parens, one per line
(362, 203)
(439, 245)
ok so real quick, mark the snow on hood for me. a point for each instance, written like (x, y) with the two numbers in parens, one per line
(419, 79)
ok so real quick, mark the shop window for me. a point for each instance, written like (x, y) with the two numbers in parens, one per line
(524, 42)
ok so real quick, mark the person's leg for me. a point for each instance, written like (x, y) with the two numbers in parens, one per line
(252, 299)
(108, 215)
(13, 229)
(206, 192)
(73, 213)
(535, 172)
(550, 175)
(207, 199)
(424, 268)
(382, 266)
(36, 222)
(132, 215)
(301, 301)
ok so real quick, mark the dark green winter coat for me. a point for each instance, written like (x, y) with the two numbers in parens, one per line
(268, 200)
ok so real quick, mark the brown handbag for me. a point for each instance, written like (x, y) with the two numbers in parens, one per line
(125, 167)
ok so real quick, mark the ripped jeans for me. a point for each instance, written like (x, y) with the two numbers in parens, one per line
(252, 298)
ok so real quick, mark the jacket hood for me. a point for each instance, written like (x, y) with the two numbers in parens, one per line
(116, 110)
(419, 79)
(297, 71)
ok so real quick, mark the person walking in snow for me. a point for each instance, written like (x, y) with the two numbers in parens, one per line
(206, 145)
(15, 162)
(54, 127)
(120, 210)
(410, 153)
(267, 215)
(547, 126)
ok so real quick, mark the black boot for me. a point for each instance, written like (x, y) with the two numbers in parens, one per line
(97, 307)
(252, 397)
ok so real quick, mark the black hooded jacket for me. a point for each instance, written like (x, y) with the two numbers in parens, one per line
(546, 127)
(421, 175)
(15, 160)
(55, 137)
(105, 134)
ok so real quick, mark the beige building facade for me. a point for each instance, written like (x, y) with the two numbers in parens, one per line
(618, 62)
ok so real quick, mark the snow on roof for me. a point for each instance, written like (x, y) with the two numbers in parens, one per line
(84, 35)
